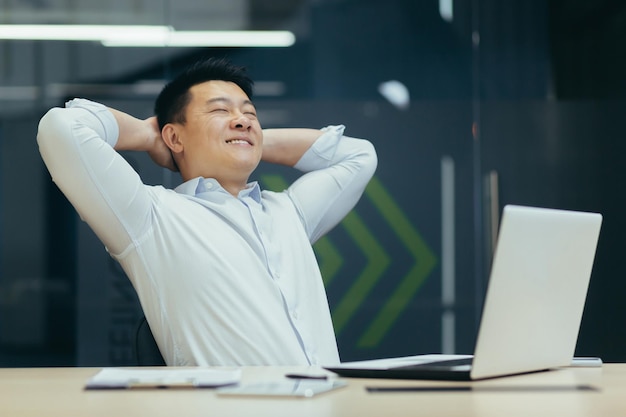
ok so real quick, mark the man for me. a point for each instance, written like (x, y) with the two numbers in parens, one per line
(225, 272)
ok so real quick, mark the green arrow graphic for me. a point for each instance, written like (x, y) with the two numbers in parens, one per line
(377, 263)
(425, 261)
(274, 182)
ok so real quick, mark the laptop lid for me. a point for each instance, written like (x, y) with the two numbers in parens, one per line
(533, 307)
(537, 289)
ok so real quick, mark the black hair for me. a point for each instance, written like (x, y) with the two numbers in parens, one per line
(171, 103)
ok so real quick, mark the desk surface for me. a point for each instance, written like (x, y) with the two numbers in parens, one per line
(59, 392)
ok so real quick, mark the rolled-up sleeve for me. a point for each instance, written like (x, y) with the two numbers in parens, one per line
(338, 168)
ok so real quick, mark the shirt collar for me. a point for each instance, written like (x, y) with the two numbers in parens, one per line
(199, 185)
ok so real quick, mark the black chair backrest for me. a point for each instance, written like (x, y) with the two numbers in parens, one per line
(146, 350)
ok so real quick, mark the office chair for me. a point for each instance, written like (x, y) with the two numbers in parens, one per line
(146, 350)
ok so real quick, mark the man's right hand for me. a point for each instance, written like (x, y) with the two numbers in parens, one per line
(143, 135)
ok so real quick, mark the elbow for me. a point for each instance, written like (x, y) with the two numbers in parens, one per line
(370, 158)
(50, 123)
(54, 136)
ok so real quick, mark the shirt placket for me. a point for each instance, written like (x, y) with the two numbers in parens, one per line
(263, 224)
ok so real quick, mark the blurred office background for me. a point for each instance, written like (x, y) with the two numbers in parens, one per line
(472, 104)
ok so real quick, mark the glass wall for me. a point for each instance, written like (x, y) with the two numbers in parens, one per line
(471, 105)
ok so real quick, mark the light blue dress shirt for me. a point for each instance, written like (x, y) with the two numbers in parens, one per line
(221, 280)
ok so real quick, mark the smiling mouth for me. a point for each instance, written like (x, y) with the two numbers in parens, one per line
(238, 142)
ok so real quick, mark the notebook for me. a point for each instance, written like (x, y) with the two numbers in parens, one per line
(533, 306)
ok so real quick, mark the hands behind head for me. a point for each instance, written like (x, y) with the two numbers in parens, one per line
(159, 151)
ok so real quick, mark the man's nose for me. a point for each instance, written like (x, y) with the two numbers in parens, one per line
(240, 121)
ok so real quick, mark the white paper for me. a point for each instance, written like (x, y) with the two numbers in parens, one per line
(295, 388)
(162, 378)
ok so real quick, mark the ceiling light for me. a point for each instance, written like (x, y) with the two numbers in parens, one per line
(209, 38)
(446, 10)
(81, 32)
(396, 93)
(147, 36)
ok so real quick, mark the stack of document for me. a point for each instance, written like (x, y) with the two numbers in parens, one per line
(122, 378)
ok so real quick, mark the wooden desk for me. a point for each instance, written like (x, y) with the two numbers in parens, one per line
(59, 392)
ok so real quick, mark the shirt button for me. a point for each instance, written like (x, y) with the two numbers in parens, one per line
(294, 314)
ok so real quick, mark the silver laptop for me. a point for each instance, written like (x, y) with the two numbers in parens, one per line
(533, 307)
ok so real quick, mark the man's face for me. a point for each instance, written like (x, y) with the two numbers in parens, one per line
(222, 137)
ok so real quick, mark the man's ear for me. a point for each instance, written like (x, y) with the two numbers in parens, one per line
(172, 138)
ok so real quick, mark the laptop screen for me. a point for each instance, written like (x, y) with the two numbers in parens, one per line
(536, 291)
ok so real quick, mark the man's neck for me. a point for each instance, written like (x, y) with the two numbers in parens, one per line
(233, 188)
(232, 184)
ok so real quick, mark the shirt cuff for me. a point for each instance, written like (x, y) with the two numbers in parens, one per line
(321, 153)
(110, 130)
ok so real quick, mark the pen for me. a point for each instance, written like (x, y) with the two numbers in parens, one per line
(307, 376)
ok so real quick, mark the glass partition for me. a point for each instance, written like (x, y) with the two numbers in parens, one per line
(471, 106)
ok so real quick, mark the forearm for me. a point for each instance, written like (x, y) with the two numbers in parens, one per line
(135, 134)
(337, 169)
(142, 135)
(286, 146)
